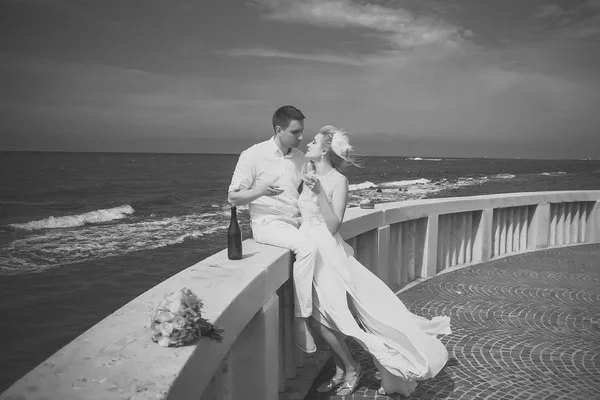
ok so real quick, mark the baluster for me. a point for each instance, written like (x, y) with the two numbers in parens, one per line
(524, 228)
(567, 228)
(385, 262)
(448, 241)
(502, 230)
(575, 211)
(440, 243)
(516, 228)
(462, 237)
(409, 250)
(431, 247)
(421, 244)
(496, 230)
(585, 211)
(469, 237)
(510, 227)
(454, 239)
(553, 223)
(560, 224)
(395, 252)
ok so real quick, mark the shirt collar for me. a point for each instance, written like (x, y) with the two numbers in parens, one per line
(277, 150)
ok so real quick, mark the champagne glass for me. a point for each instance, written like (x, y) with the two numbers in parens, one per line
(308, 170)
(274, 180)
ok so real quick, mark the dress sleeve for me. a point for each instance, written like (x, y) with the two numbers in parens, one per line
(244, 173)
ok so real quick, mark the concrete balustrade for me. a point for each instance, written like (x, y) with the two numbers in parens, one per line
(511, 229)
(568, 222)
(252, 299)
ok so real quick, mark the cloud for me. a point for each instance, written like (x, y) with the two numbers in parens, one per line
(581, 21)
(405, 35)
(318, 57)
(399, 27)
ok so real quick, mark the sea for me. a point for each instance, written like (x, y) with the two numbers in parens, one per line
(82, 234)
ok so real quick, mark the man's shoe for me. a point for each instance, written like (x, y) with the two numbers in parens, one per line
(303, 337)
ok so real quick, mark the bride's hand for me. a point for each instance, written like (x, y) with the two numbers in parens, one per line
(313, 183)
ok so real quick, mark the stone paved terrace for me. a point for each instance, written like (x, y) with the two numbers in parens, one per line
(524, 327)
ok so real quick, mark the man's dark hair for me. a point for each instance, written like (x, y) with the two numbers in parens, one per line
(283, 115)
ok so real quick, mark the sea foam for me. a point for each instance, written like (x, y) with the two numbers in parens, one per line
(559, 173)
(503, 176)
(404, 183)
(71, 221)
(44, 249)
(362, 186)
(409, 189)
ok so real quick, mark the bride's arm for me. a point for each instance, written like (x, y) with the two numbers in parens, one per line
(333, 213)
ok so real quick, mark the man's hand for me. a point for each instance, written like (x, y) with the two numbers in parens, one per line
(246, 196)
(269, 189)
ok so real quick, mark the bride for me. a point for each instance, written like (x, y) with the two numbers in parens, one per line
(349, 300)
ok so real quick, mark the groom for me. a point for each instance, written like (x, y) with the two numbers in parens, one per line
(267, 176)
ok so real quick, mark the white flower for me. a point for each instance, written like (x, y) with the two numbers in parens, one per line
(340, 144)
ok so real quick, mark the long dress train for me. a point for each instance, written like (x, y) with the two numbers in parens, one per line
(404, 346)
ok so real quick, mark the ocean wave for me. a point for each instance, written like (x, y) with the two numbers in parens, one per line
(503, 176)
(559, 173)
(72, 221)
(404, 183)
(390, 185)
(55, 248)
(407, 189)
(361, 186)
(423, 159)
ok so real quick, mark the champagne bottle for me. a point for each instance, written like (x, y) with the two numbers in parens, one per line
(234, 237)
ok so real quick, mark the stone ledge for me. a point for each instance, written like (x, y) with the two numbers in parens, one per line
(116, 359)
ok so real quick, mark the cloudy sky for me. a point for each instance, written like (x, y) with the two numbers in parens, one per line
(463, 78)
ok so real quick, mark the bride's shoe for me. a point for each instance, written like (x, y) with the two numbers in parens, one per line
(330, 385)
(346, 389)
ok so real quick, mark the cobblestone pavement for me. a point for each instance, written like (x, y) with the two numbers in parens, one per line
(524, 327)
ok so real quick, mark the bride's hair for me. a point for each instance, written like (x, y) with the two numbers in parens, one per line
(338, 147)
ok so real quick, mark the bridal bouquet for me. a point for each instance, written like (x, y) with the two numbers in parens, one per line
(177, 320)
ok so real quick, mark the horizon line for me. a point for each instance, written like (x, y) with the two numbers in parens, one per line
(237, 153)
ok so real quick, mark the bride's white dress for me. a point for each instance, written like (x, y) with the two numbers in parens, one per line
(404, 346)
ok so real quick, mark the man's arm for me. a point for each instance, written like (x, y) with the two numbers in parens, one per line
(241, 191)
(241, 197)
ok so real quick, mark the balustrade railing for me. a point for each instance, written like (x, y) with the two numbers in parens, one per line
(253, 298)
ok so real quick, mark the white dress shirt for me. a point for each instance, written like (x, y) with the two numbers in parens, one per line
(265, 162)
